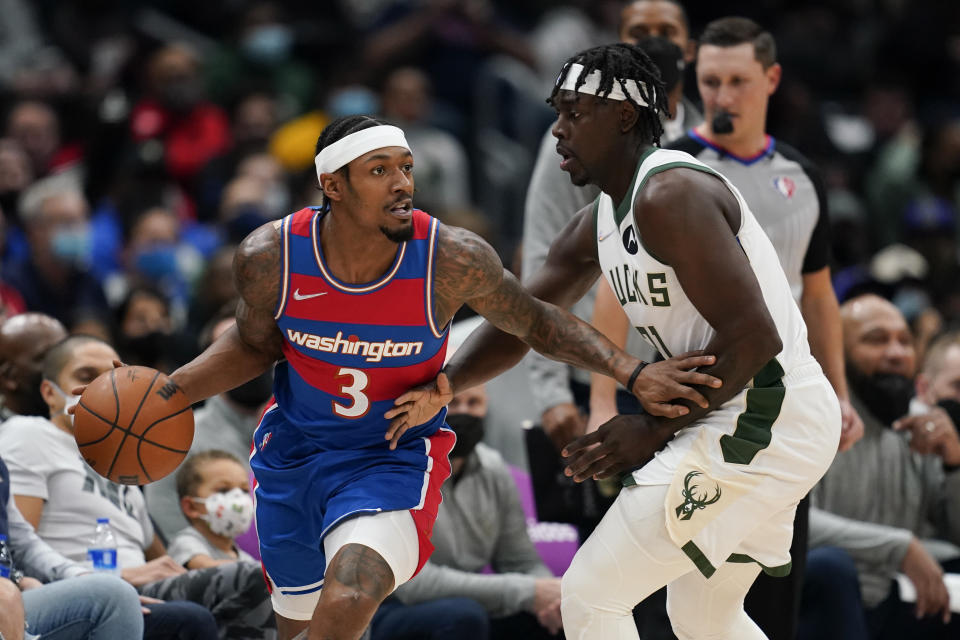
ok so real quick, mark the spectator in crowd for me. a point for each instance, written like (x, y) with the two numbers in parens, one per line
(449, 40)
(255, 118)
(243, 207)
(36, 127)
(62, 497)
(92, 606)
(145, 332)
(225, 422)
(890, 501)
(214, 491)
(254, 122)
(264, 167)
(481, 523)
(442, 168)
(157, 254)
(264, 51)
(214, 289)
(16, 174)
(86, 606)
(175, 112)
(939, 378)
(54, 279)
(24, 341)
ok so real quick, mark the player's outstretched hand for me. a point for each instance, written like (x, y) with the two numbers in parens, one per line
(660, 383)
(78, 391)
(417, 406)
(621, 444)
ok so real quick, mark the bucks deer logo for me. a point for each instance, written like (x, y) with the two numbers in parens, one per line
(691, 501)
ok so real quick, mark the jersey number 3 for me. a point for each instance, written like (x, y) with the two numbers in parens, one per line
(361, 403)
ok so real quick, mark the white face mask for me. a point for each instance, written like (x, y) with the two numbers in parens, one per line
(228, 514)
(69, 401)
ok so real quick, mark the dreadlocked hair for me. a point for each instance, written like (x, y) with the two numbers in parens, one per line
(623, 63)
(337, 129)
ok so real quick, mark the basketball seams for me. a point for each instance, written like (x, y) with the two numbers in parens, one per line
(133, 420)
(116, 394)
(143, 438)
(113, 425)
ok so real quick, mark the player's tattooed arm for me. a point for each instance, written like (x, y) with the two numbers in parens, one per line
(257, 274)
(251, 346)
(469, 271)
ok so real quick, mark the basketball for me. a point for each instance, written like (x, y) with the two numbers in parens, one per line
(133, 425)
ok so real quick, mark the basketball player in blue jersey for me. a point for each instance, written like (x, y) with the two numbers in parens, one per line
(352, 300)
(709, 497)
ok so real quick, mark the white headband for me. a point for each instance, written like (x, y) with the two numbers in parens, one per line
(351, 147)
(591, 85)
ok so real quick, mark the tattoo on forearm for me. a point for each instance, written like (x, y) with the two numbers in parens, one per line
(360, 567)
(469, 270)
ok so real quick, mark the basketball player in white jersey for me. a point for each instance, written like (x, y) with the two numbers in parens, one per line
(710, 496)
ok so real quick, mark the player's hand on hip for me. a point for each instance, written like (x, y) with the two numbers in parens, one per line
(156, 569)
(851, 426)
(416, 407)
(78, 391)
(623, 443)
(932, 433)
(926, 574)
(562, 423)
(660, 383)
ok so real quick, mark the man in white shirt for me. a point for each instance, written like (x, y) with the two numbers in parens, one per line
(62, 497)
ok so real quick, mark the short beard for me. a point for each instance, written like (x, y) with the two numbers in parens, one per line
(403, 234)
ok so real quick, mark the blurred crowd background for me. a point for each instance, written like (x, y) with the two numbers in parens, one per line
(169, 129)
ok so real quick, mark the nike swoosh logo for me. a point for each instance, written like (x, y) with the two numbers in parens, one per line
(604, 236)
(298, 296)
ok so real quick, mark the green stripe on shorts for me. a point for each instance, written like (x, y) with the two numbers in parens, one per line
(764, 401)
(703, 564)
(776, 572)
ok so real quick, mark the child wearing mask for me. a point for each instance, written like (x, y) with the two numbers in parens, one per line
(214, 494)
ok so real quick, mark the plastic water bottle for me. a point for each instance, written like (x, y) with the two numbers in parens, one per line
(6, 558)
(102, 553)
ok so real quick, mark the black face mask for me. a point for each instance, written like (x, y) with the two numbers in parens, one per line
(254, 393)
(886, 395)
(952, 407)
(148, 349)
(182, 95)
(469, 430)
(246, 220)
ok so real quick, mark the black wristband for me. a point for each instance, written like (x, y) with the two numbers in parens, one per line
(635, 375)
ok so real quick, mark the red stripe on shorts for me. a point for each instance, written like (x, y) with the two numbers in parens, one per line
(441, 443)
